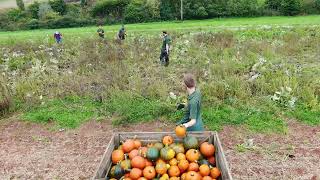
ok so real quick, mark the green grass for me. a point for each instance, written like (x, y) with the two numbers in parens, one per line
(255, 120)
(67, 113)
(206, 25)
(305, 115)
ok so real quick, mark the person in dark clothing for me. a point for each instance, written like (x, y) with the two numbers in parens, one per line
(100, 32)
(58, 37)
(164, 56)
(122, 33)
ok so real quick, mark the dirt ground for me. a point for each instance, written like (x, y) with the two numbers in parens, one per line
(32, 151)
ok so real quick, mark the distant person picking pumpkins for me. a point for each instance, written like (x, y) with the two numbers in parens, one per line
(192, 119)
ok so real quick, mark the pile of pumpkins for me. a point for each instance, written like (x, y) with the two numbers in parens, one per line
(165, 160)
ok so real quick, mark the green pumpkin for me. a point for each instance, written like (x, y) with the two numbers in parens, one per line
(203, 161)
(152, 154)
(118, 172)
(178, 148)
(190, 142)
(158, 145)
(167, 153)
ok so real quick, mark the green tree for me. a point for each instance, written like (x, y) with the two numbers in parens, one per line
(273, 4)
(33, 9)
(20, 4)
(242, 7)
(290, 7)
(58, 6)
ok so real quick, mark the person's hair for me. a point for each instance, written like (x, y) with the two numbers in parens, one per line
(189, 80)
(165, 32)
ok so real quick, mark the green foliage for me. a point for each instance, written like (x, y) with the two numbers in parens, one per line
(305, 115)
(135, 12)
(167, 10)
(243, 7)
(128, 107)
(20, 4)
(83, 3)
(273, 4)
(291, 7)
(255, 119)
(110, 8)
(58, 6)
(33, 9)
(69, 112)
(45, 11)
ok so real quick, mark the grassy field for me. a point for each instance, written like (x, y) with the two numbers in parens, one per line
(254, 72)
(192, 25)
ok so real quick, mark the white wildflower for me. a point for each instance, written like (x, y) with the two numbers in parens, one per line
(172, 96)
(288, 89)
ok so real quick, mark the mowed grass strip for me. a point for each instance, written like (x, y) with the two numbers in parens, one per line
(210, 25)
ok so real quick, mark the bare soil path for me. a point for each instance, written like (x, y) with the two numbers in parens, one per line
(31, 151)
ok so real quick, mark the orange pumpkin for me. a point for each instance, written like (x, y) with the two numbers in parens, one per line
(215, 173)
(160, 161)
(135, 173)
(137, 144)
(174, 171)
(143, 151)
(173, 162)
(193, 167)
(138, 162)
(133, 154)
(181, 156)
(149, 172)
(207, 149)
(127, 178)
(149, 163)
(212, 160)
(128, 146)
(117, 156)
(181, 131)
(174, 178)
(161, 168)
(167, 140)
(192, 155)
(142, 178)
(183, 165)
(183, 176)
(127, 175)
(206, 178)
(191, 175)
(204, 170)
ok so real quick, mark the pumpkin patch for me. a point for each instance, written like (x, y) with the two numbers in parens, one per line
(165, 160)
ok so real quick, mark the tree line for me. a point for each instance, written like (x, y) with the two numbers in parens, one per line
(59, 14)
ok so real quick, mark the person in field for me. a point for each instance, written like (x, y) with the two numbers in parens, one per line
(192, 119)
(164, 56)
(100, 32)
(58, 37)
(122, 33)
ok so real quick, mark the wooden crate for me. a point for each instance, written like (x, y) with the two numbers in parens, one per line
(150, 137)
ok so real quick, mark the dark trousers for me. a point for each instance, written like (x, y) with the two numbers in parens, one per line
(164, 57)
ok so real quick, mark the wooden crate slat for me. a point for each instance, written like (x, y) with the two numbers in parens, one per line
(105, 162)
(221, 161)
